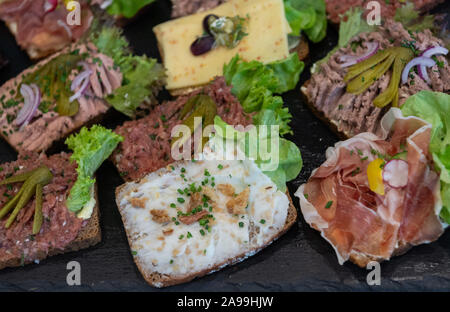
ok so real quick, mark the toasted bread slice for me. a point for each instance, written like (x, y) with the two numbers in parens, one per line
(156, 278)
(89, 235)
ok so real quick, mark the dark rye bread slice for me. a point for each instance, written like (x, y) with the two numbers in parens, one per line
(332, 124)
(89, 235)
(159, 280)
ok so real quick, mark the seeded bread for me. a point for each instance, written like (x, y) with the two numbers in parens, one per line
(159, 280)
(89, 235)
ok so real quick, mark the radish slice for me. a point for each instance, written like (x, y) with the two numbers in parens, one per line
(395, 173)
(350, 60)
(421, 60)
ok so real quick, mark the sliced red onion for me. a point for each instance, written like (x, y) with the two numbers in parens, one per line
(50, 5)
(81, 81)
(429, 53)
(349, 60)
(421, 60)
(78, 80)
(395, 173)
(84, 85)
(433, 51)
(32, 99)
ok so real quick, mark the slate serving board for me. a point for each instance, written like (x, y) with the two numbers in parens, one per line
(299, 261)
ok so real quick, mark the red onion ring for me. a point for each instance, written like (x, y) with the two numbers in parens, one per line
(84, 79)
(349, 60)
(421, 60)
(50, 5)
(429, 53)
(395, 173)
(32, 99)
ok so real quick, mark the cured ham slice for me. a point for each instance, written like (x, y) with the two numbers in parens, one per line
(363, 225)
(42, 32)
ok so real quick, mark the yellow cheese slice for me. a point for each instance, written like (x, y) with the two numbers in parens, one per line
(266, 41)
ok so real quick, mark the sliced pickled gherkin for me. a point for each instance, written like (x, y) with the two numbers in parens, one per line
(38, 217)
(367, 78)
(33, 183)
(403, 56)
(201, 106)
(362, 75)
(357, 69)
(10, 205)
(17, 178)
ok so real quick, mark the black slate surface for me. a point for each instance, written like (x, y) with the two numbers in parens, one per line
(299, 261)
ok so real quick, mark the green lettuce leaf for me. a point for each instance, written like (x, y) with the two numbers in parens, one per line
(352, 25)
(255, 84)
(91, 147)
(290, 160)
(308, 16)
(434, 108)
(142, 76)
(127, 8)
(409, 17)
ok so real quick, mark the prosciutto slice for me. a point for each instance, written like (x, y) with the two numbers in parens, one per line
(362, 225)
(43, 31)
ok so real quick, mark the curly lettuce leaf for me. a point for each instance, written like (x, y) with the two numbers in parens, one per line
(127, 8)
(289, 157)
(434, 107)
(91, 147)
(308, 16)
(142, 76)
(255, 84)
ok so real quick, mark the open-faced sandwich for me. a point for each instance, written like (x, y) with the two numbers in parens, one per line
(177, 212)
(373, 69)
(41, 27)
(77, 86)
(244, 95)
(49, 204)
(375, 197)
(195, 48)
(196, 216)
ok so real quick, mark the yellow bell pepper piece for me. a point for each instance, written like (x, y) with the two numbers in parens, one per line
(375, 176)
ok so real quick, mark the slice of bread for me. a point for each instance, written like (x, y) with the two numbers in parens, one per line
(52, 133)
(89, 235)
(159, 280)
(332, 124)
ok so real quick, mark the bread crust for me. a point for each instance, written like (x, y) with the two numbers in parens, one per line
(159, 280)
(331, 125)
(88, 236)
